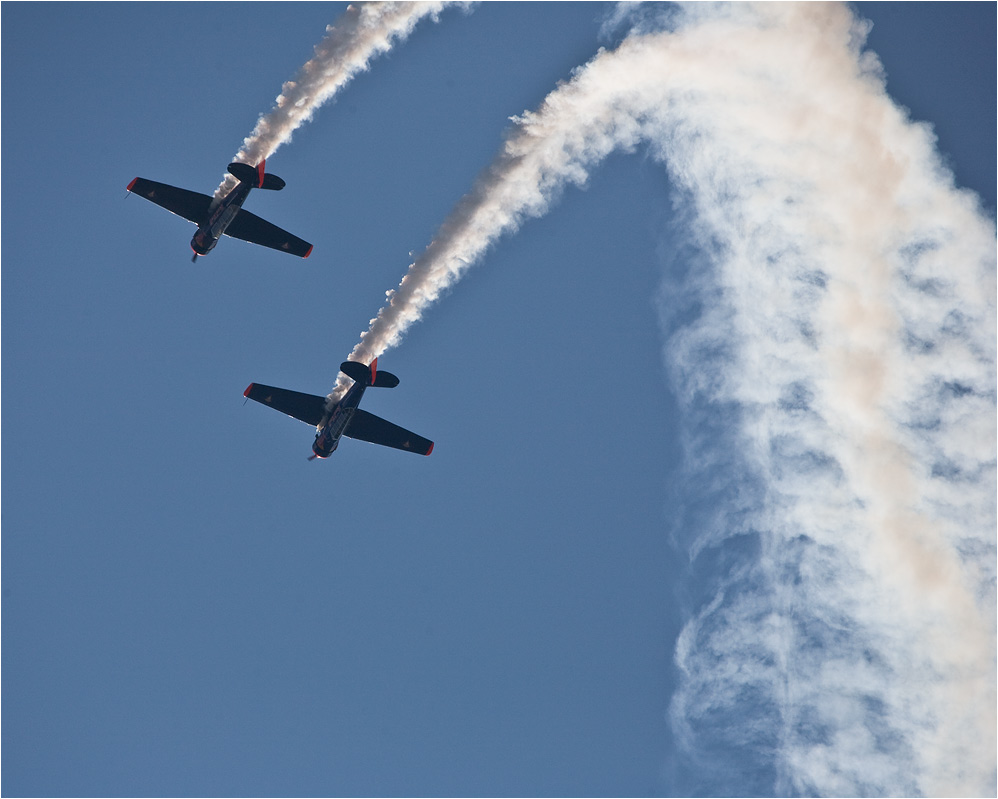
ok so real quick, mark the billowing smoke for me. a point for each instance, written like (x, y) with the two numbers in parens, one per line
(366, 30)
(838, 384)
(846, 353)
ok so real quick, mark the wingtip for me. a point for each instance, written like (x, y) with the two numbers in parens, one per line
(430, 450)
(248, 389)
(130, 185)
(309, 252)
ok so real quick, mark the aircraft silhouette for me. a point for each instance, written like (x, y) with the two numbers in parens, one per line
(225, 217)
(344, 418)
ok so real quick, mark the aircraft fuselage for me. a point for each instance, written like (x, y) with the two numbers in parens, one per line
(331, 429)
(220, 218)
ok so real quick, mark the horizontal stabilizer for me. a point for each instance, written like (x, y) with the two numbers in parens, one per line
(256, 176)
(307, 408)
(368, 375)
(385, 380)
(272, 182)
(366, 426)
(358, 372)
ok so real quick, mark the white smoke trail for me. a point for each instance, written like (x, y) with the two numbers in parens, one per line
(364, 31)
(854, 292)
(547, 149)
(839, 385)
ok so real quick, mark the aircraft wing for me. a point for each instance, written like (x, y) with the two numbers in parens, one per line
(188, 204)
(307, 408)
(249, 227)
(366, 426)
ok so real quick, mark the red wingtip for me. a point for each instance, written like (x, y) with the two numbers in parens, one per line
(247, 391)
(374, 370)
(309, 252)
(430, 449)
(259, 169)
(131, 184)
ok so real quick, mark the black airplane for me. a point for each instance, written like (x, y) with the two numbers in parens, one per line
(225, 216)
(345, 418)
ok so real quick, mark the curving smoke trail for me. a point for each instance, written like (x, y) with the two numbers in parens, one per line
(364, 31)
(838, 387)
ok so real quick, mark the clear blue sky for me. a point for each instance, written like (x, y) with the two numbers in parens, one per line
(192, 608)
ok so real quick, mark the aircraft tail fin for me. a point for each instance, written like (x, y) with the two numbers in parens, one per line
(368, 375)
(257, 176)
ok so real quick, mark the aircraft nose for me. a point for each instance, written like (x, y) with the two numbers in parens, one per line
(200, 243)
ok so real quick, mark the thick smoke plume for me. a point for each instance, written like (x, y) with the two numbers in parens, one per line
(366, 30)
(838, 384)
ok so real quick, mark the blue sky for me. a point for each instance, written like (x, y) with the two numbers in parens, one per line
(192, 608)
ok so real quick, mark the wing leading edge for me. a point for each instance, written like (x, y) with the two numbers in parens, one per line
(249, 227)
(366, 426)
(307, 408)
(191, 205)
